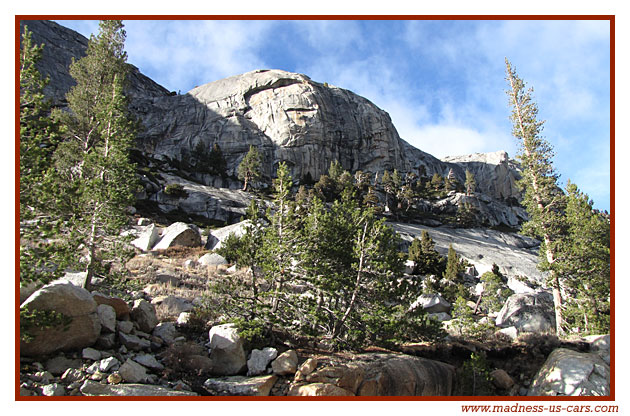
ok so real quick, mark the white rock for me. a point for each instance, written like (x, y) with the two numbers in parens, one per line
(226, 350)
(54, 389)
(218, 236)
(147, 238)
(259, 360)
(108, 364)
(212, 259)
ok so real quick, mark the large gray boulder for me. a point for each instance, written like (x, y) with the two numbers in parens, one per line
(570, 373)
(378, 374)
(74, 302)
(240, 385)
(432, 303)
(226, 350)
(179, 234)
(93, 388)
(528, 313)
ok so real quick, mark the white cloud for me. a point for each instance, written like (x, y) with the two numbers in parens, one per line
(182, 54)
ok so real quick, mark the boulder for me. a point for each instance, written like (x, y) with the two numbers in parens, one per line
(600, 345)
(132, 372)
(217, 237)
(259, 360)
(240, 385)
(501, 379)
(179, 234)
(91, 354)
(147, 238)
(380, 374)
(92, 388)
(143, 313)
(226, 350)
(172, 305)
(58, 365)
(120, 306)
(73, 302)
(148, 361)
(285, 363)
(528, 313)
(431, 304)
(108, 364)
(107, 317)
(570, 373)
(212, 259)
(54, 389)
(133, 342)
(318, 389)
(166, 331)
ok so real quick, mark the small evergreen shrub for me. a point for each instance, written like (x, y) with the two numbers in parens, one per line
(176, 190)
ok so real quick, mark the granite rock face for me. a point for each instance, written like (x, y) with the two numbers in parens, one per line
(495, 173)
(516, 255)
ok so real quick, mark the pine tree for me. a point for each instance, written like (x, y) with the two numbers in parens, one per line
(583, 262)
(250, 168)
(470, 183)
(40, 259)
(94, 159)
(543, 199)
(437, 181)
(428, 260)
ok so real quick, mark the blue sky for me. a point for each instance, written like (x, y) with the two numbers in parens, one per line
(442, 82)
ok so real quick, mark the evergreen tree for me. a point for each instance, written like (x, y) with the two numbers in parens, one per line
(94, 158)
(495, 293)
(280, 242)
(470, 183)
(40, 260)
(437, 181)
(583, 262)
(428, 260)
(543, 199)
(250, 168)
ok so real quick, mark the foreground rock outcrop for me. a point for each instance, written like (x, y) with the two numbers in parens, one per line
(570, 373)
(74, 303)
(379, 375)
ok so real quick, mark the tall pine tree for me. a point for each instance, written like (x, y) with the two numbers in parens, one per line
(543, 199)
(94, 158)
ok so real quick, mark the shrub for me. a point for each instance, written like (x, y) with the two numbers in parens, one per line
(176, 190)
(474, 377)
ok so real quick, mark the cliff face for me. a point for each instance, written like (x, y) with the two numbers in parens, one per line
(289, 117)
